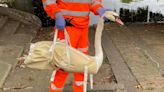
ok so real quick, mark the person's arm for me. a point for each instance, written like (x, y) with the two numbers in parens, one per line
(96, 4)
(53, 11)
(50, 7)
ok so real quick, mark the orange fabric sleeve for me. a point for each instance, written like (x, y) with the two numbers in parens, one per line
(51, 9)
(96, 4)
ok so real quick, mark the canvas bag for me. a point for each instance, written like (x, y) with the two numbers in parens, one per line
(49, 55)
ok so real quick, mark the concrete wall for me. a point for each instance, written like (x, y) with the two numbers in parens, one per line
(24, 5)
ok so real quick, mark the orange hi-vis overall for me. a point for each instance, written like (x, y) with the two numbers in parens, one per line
(78, 12)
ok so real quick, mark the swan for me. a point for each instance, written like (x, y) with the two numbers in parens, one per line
(52, 55)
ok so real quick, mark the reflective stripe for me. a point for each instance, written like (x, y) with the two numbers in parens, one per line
(91, 81)
(74, 13)
(83, 49)
(95, 3)
(79, 83)
(47, 2)
(61, 40)
(78, 1)
(85, 78)
(53, 87)
(53, 76)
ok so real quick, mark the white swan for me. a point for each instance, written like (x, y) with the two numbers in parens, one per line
(66, 57)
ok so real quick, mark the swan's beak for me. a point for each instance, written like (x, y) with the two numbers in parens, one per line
(118, 20)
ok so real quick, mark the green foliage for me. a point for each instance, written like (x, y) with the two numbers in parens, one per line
(127, 1)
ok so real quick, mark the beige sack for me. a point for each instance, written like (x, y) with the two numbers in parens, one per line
(40, 58)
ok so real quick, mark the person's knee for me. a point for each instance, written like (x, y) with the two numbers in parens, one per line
(54, 88)
(78, 86)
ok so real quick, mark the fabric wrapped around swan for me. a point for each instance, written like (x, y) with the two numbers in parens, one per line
(52, 55)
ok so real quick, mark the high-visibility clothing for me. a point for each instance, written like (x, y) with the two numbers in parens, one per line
(60, 78)
(77, 10)
(79, 40)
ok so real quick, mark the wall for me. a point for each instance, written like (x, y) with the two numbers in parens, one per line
(155, 6)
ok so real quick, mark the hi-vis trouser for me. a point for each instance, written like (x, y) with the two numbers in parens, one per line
(78, 39)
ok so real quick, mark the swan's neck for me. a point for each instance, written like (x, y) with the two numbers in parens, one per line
(98, 47)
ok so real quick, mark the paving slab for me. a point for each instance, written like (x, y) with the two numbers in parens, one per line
(27, 80)
(4, 71)
(16, 39)
(158, 50)
(9, 28)
(113, 87)
(149, 34)
(152, 37)
(147, 27)
(156, 90)
(9, 53)
(12, 51)
(3, 20)
(26, 29)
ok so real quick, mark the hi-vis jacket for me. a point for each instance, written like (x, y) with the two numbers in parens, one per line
(75, 10)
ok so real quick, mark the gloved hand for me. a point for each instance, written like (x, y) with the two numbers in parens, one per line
(60, 22)
(101, 11)
(111, 14)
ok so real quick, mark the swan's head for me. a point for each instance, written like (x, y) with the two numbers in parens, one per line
(113, 16)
